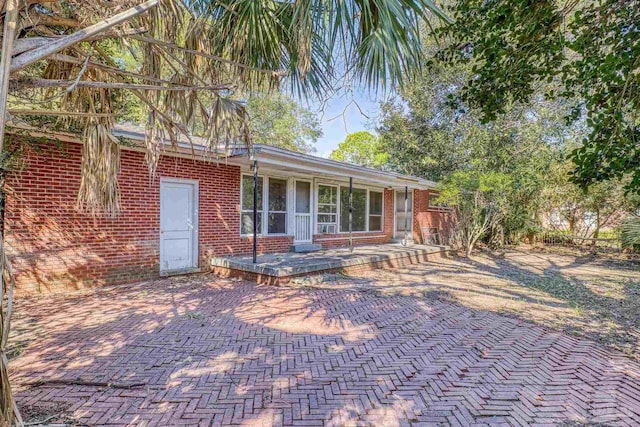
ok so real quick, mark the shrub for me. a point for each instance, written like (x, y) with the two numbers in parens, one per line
(630, 233)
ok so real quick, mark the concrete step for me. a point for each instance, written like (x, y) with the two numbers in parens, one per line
(305, 247)
(400, 240)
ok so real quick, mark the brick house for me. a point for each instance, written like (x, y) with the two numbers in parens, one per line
(195, 209)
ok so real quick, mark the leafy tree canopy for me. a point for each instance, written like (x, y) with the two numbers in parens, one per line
(425, 134)
(586, 52)
(361, 148)
(276, 119)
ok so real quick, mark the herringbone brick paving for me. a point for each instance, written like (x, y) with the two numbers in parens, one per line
(219, 352)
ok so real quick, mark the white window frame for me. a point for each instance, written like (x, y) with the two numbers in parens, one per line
(366, 209)
(337, 205)
(265, 205)
(339, 185)
(263, 210)
(369, 214)
(243, 211)
(441, 208)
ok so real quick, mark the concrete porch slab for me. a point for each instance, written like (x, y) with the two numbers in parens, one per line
(279, 268)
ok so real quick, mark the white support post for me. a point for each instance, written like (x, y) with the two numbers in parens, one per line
(406, 213)
(255, 211)
(350, 214)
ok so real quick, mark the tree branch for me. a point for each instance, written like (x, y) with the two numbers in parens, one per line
(125, 386)
(37, 54)
(9, 33)
(48, 20)
(31, 112)
(27, 43)
(196, 52)
(44, 83)
(73, 60)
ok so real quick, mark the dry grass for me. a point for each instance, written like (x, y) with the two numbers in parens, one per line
(579, 294)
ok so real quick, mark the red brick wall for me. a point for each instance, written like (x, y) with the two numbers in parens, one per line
(388, 213)
(362, 238)
(53, 247)
(425, 217)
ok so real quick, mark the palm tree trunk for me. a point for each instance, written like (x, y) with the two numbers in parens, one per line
(9, 413)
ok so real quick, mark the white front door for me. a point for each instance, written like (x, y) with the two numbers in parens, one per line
(404, 220)
(178, 224)
(302, 229)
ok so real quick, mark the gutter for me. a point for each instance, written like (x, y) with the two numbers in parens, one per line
(346, 168)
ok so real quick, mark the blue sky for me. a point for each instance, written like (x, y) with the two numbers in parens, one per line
(340, 115)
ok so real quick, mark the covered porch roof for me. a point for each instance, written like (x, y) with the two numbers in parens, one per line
(305, 165)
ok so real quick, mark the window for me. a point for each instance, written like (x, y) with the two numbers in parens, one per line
(433, 203)
(246, 216)
(277, 219)
(327, 209)
(375, 211)
(359, 209)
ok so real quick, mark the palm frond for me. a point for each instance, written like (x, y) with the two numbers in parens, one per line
(630, 233)
(232, 46)
(98, 192)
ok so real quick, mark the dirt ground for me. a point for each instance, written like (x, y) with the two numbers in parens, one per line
(585, 295)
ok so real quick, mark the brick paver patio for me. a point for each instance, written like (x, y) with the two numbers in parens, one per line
(208, 351)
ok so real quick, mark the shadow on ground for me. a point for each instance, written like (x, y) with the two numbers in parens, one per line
(580, 295)
(217, 352)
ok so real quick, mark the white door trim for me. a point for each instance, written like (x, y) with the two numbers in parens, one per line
(413, 207)
(195, 230)
(311, 209)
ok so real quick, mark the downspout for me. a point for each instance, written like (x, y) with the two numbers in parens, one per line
(255, 211)
(350, 214)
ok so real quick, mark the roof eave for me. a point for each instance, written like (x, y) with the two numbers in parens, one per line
(264, 152)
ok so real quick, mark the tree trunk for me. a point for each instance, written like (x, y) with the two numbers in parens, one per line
(572, 224)
(469, 249)
(9, 413)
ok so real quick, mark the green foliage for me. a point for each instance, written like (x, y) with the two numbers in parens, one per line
(606, 75)
(376, 42)
(604, 203)
(521, 38)
(461, 187)
(426, 135)
(276, 119)
(361, 148)
(582, 51)
(480, 200)
(630, 233)
(419, 130)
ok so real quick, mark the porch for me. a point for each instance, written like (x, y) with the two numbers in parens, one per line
(280, 268)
